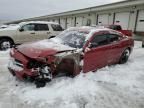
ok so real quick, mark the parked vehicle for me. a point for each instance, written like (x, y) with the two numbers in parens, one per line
(119, 28)
(74, 50)
(27, 32)
(115, 27)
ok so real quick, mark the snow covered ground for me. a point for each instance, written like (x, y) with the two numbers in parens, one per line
(117, 86)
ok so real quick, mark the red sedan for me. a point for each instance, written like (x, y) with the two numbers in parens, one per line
(75, 50)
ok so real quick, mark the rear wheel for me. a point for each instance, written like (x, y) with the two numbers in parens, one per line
(125, 56)
(5, 44)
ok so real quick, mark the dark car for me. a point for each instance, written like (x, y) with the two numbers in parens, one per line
(74, 50)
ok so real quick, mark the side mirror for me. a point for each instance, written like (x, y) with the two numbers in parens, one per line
(92, 45)
(21, 29)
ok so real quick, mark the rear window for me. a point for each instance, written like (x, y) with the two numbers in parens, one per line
(56, 27)
(41, 27)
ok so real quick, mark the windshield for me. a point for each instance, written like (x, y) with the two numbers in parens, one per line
(75, 39)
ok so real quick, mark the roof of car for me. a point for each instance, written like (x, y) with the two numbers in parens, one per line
(89, 28)
(39, 22)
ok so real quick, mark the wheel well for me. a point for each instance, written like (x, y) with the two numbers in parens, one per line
(8, 38)
(129, 49)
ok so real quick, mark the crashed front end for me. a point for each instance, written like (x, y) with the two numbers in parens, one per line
(45, 68)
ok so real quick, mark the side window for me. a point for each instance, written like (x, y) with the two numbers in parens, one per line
(100, 40)
(28, 27)
(56, 27)
(41, 27)
(113, 37)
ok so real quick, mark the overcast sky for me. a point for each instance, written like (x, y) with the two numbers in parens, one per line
(19, 9)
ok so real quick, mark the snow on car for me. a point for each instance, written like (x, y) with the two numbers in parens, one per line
(63, 55)
(110, 87)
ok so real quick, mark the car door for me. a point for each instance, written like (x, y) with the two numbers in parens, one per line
(116, 48)
(42, 31)
(96, 56)
(26, 33)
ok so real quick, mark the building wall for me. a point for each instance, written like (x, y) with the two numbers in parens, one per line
(125, 13)
(128, 17)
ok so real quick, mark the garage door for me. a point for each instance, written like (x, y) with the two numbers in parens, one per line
(140, 21)
(122, 19)
(63, 23)
(56, 20)
(69, 22)
(79, 21)
(103, 19)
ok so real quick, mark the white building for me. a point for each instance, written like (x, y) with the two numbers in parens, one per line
(129, 14)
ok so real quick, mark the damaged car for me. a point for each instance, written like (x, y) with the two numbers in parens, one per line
(75, 50)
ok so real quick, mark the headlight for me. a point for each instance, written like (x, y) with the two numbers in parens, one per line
(33, 64)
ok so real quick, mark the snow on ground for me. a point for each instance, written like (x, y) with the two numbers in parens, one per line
(117, 86)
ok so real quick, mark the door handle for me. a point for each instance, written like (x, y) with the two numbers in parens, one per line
(32, 33)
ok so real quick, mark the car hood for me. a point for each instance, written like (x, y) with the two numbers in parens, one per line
(10, 28)
(42, 48)
(8, 31)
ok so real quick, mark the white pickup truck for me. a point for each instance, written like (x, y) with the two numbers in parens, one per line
(27, 32)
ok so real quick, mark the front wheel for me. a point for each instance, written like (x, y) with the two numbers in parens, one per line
(5, 44)
(143, 45)
(125, 56)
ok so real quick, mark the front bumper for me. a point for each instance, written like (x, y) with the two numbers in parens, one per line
(17, 66)
(21, 73)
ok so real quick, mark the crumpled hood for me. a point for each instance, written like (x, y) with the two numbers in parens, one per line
(42, 48)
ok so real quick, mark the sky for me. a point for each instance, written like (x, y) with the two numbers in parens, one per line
(20, 9)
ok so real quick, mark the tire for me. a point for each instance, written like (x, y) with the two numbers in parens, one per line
(40, 83)
(5, 44)
(124, 57)
(142, 45)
